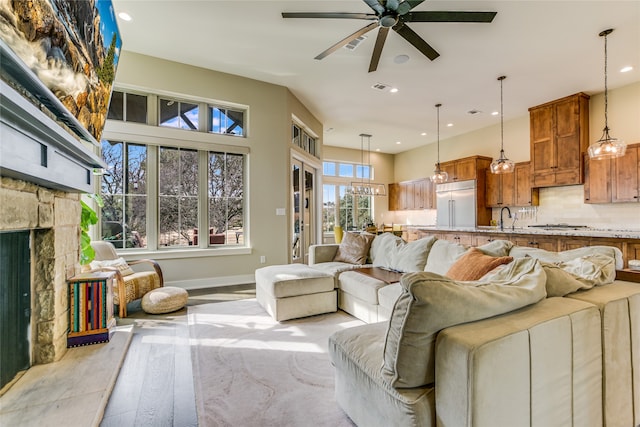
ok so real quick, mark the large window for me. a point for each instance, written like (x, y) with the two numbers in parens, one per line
(340, 206)
(178, 192)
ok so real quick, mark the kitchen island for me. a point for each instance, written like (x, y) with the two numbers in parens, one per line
(551, 238)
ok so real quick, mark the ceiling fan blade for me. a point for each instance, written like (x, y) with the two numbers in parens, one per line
(449, 16)
(347, 39)
(330, 15)
(376, 6)
(409, 35)
(392, 4)
(377, 50)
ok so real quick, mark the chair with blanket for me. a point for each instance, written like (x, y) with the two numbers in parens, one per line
(130, 285)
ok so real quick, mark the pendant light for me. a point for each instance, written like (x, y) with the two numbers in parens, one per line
(502, 164)
(439, 176)
(606, 147)
(362, 187)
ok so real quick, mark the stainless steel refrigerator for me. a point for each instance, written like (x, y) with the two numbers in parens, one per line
(456, 204)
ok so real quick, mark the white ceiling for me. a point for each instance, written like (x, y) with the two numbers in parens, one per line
(547, 50)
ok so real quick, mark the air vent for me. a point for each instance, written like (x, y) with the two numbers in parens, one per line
(380, 86)
(353, 44)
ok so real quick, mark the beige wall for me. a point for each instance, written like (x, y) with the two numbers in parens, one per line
(560, 204)
(269, 134)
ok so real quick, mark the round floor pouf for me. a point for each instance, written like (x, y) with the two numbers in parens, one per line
(164, 300)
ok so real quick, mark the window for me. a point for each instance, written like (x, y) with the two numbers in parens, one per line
(302, 139)
(226, 121)
(340, 207)
(124, 192)
(128, 107)
(178, 114)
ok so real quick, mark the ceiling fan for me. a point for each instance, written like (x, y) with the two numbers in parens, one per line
(393, 14)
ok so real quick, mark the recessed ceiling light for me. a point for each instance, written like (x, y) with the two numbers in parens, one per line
(398, 142)
(423, 134)
(495, 113)
(393, 90)
(125, 16)
(401, 59)
(377, 149)
(449, 124)
(626, 69)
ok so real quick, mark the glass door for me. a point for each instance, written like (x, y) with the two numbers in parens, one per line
(303, 214)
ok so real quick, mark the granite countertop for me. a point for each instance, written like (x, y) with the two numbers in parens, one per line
(576, 232)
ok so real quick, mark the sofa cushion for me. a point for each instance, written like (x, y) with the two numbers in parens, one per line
(549, 256)
(474, 264)
(382, 248)
(496, 248)
(360, 285)
(412, 256)
(354, 248)
(430, 302)
(579, 274)
(442, 255)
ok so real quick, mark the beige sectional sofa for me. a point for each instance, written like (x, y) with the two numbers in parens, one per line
(550, 339)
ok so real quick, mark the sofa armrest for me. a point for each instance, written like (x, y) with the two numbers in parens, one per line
(322, 253)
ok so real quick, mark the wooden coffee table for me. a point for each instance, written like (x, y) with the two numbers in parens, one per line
(387, 276)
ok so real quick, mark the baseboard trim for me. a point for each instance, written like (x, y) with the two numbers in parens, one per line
(213, 282)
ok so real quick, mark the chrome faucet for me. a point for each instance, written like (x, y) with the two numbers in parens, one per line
(502, 220)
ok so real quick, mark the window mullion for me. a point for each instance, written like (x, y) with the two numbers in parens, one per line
(153, 223)
(203, 198)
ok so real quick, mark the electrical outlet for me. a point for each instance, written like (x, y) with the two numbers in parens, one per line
(263, 259)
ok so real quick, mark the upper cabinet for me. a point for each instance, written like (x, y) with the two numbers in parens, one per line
(559, 135)
(613, 180)
(626, 176)
(412, 195)
(466, 168)
(511, 189)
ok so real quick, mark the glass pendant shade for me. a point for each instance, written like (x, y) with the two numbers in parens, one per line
(502, 164)
(439, 176)
(365, 187)
(606, 147)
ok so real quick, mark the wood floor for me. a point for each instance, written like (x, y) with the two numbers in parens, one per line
(155, 384)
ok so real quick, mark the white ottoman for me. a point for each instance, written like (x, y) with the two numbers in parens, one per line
(295, 290)
(164, 300)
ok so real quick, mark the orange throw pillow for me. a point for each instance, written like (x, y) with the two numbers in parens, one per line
(474, 264)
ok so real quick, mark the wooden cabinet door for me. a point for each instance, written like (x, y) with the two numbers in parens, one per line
(465, 169)
(597, 180)
(633, 251)
(482, 239)
(508, 182)
(450, 169)
(626, 171)
(567, 143)
(493, 190)
(543, 156)
(539, 242)
(524, 195)
(568, 242)
(394, 197)
(429, 194)
(418, 194)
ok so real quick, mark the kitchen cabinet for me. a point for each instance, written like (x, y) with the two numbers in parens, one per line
(559, 133)
(466, 168)
(461, 238)
(626, 176)
(597, 180)
(500, 189)
(484, 238)
(548, 243)
(525, 194)
(411, 195)
(633, 251)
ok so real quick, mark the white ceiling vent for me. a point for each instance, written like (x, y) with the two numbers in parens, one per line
(353, 44)
(380, 86)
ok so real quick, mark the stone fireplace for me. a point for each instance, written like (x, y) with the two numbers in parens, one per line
(52, 217)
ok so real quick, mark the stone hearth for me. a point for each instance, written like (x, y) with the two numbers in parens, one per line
(52, 217)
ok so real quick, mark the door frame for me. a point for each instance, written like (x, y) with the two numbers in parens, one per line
(311, 164)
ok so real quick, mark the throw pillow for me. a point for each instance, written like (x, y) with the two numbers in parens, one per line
(474, 264)
(119, 263)
(430, 302)
(571, 254)
(382, 247)
(442, 255)
(496, 248)
(412, 256)
(354, 248)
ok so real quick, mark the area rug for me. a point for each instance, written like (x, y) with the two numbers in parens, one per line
(250, 370)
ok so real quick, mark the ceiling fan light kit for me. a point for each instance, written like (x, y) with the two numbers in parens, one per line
(439, 176)
(606, 147)
(502, 164)
(395, 15)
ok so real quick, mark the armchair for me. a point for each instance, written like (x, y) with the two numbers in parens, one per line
(130, 285)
